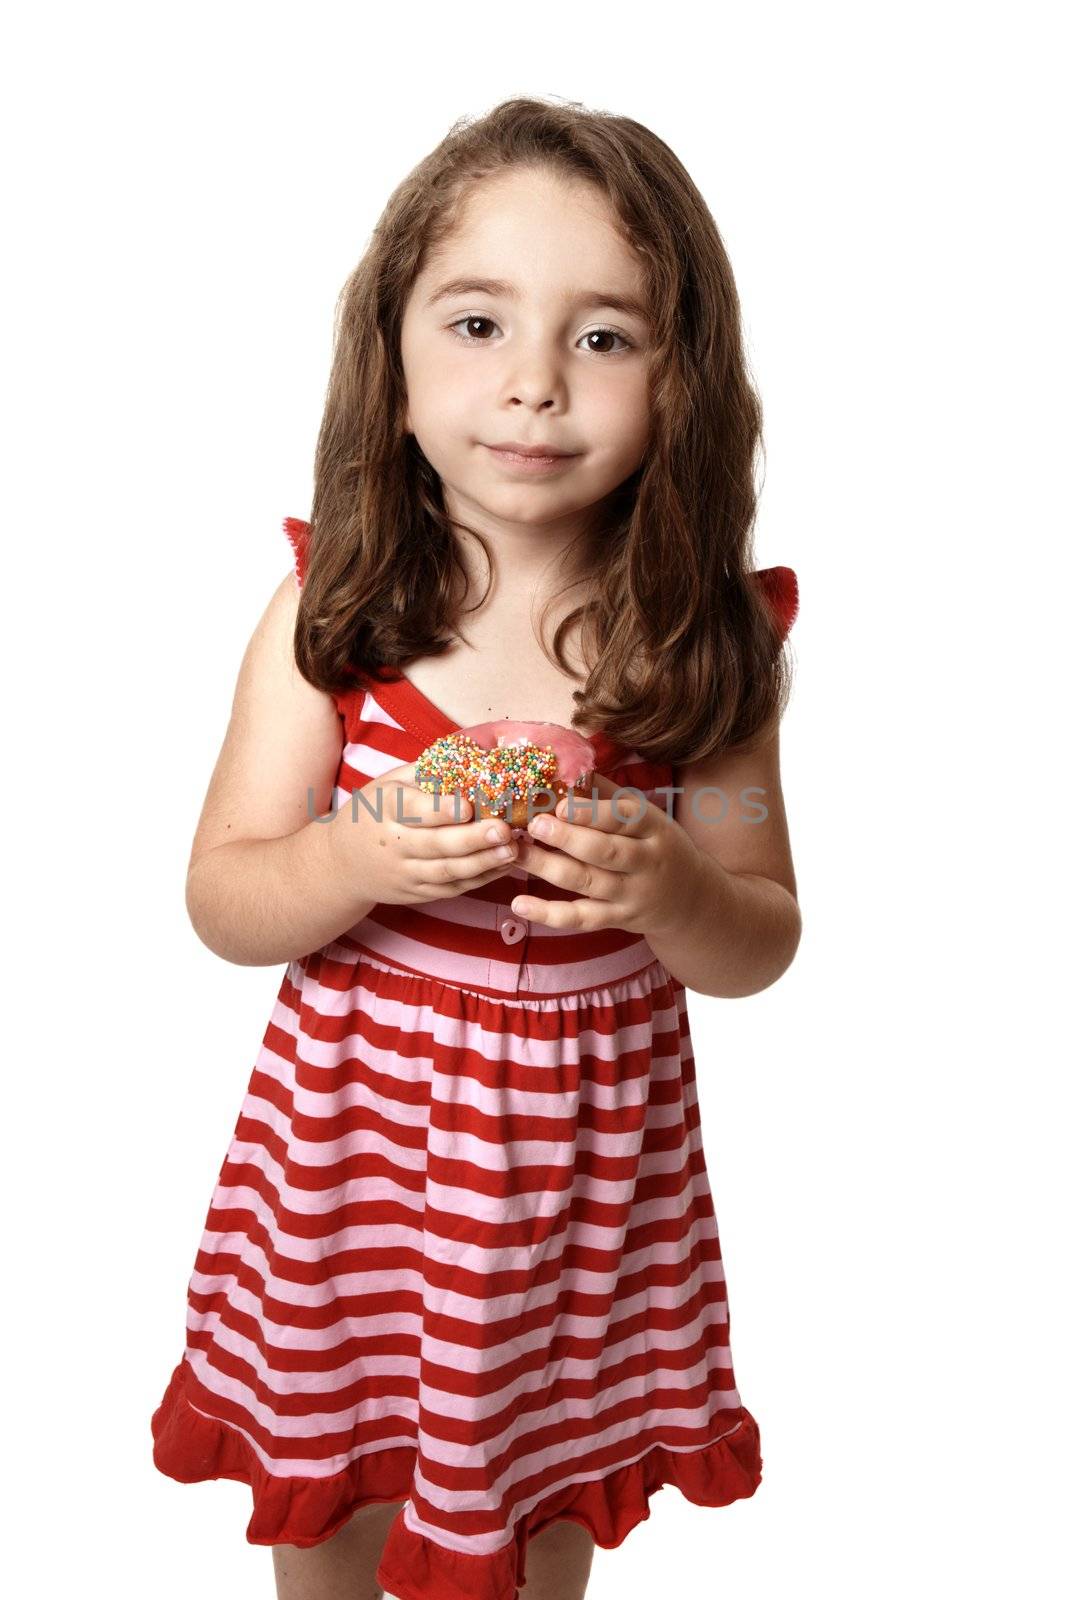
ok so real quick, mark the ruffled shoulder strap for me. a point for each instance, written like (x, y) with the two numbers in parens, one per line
(298, 534)
(779, 585)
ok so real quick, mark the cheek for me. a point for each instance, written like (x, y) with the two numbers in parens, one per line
(622, 433)
(439, 400)
(638, 431)
(621, 414)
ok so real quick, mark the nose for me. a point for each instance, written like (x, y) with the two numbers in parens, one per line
(534, 397)
(535, 380)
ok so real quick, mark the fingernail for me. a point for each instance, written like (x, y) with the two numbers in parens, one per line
(495, 835)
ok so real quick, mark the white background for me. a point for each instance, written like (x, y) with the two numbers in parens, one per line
(187, 188)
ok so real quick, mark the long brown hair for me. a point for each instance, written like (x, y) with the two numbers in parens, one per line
(686, 646)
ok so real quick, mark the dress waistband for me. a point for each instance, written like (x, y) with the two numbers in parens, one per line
(651, 973)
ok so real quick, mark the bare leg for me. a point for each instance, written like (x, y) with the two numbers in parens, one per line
(342, 1567)
(558, 1562)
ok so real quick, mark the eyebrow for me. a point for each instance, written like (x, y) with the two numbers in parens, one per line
(614, 299)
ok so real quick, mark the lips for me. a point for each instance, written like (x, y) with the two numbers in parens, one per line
(531, 450)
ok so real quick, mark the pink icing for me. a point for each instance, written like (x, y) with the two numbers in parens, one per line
(575, 756)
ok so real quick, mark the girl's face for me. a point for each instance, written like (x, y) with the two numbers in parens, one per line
(528, 327)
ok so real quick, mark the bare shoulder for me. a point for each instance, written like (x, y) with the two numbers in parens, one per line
(284, 738)
(733, 808)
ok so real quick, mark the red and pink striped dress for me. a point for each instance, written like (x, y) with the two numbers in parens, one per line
(462, 1251)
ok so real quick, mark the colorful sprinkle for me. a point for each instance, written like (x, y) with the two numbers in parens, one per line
(457, 764)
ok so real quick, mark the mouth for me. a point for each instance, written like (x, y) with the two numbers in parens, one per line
(531, 458)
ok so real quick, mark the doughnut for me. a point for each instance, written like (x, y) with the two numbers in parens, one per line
(502, 763)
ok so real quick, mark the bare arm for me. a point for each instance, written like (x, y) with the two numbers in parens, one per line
(262, 885)
(739, 927)
(270, 879)
(258, 902)
(735, 935)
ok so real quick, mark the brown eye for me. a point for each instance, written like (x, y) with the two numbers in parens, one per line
(608, 333)
(472, 320)
(484, 322)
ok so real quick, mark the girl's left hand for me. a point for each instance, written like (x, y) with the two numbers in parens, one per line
(635, 872)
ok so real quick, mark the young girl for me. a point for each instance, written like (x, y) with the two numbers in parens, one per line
(459, 1307)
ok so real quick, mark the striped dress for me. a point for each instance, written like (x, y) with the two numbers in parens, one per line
(462, 1252)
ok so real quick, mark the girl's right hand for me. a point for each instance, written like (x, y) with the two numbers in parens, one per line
(418, 851)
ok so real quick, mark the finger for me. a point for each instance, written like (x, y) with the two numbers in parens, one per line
(461, 868)
(404, 777)
(415, 808)
(612, 808)
(402, 774)
(614, 852)
(570, 915)
(582, 877)
(464, 885)
(459, 840)
(455, 806)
